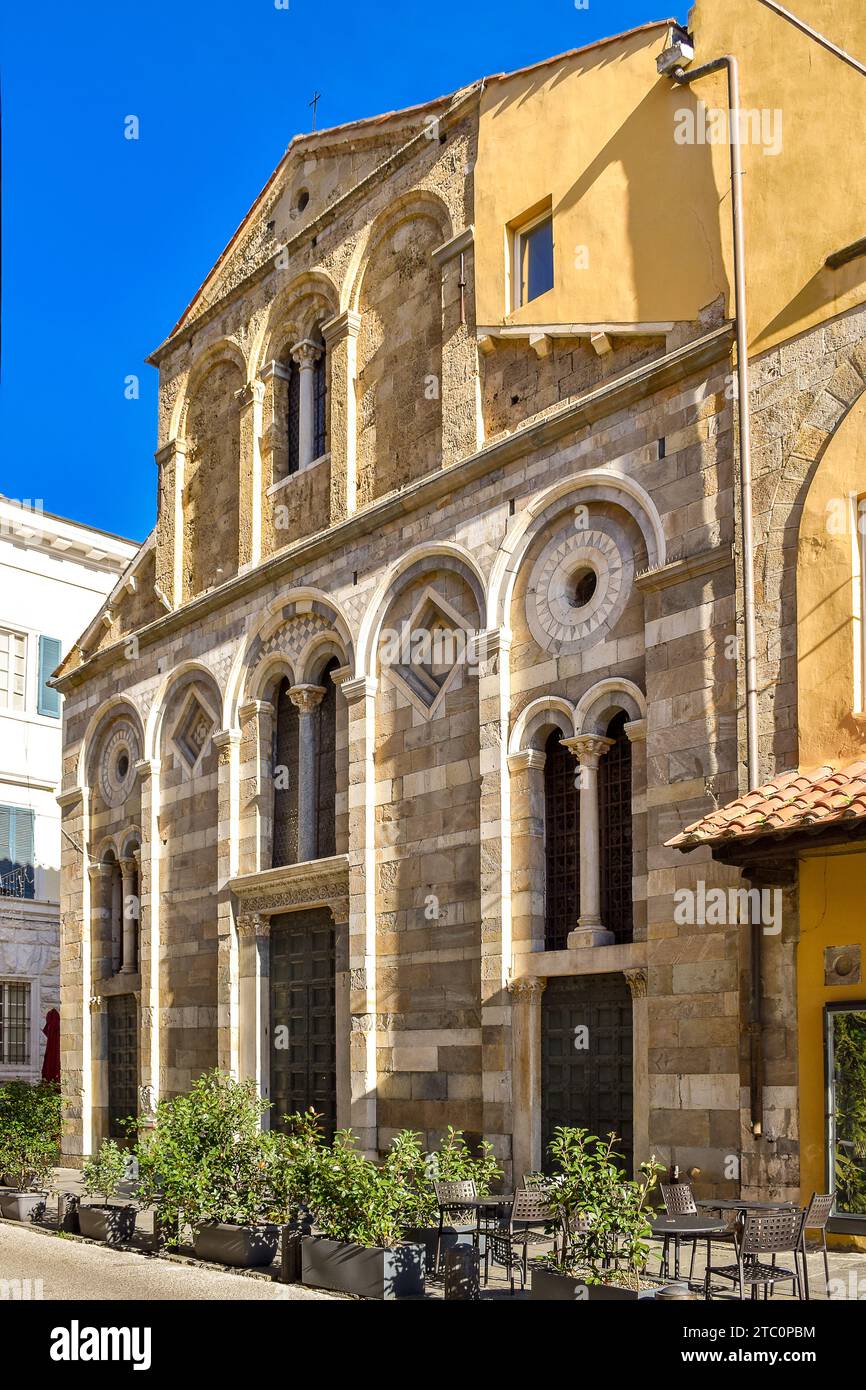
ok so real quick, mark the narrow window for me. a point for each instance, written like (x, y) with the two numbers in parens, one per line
(561, 844)
(14, 1023)
(532, 272)
(17, 877)
(616, 837)
(13, 666)
(285, 828)
(49, 659)
(294, 418)
(320, 407)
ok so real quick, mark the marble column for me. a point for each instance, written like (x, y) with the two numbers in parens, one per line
(305, 355)
(526, 1085)
(589, 749)
(129, 870)
(254, 972)
(306, 699)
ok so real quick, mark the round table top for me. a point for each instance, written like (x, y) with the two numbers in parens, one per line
(745, 1204)
(687, 1225)
(503, 1199)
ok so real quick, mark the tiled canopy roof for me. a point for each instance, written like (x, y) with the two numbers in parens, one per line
(794, 801)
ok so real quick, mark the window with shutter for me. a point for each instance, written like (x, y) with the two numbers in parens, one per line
(14, 1023)
(16, 852)
(49, 660)
(13, 667)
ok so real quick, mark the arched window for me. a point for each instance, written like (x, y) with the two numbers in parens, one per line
(561, 844)
(285, 829)
(616, 838)
(115, 904)
(326, 790)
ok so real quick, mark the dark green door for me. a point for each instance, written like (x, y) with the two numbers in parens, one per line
(586, 1058)
(303, 1048)
(122, 1063)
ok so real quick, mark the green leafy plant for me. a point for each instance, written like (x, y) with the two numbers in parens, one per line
(29, 1132)
(290, 1159)
(354, 1199)
(454, 1161)
(203, 1156)
(104, 1172)
(605, 1216)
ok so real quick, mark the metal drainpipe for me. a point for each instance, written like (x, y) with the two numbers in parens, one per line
(685, 79)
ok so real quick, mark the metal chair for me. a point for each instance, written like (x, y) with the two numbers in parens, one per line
(816, 1216)
(679, 1200)
(531, 1216)
(536, 1182)
(455, 1201)
(763, 1233)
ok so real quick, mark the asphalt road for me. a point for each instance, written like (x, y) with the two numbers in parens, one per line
(71, 1269)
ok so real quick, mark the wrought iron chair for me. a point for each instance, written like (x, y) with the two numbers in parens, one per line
(679, 1200)
(455, 1201)
(763, 1233)
(536, 1182)
(529, 1223)
(816, 1216)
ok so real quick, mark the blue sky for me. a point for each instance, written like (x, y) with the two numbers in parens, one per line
(106, 239)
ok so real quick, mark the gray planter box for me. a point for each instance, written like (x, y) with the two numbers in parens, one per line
(23, 1206)
(384, 1273)
(245, 1247)
(113, 1225)
(564, 1288)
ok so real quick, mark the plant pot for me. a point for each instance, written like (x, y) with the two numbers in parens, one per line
(113, 1225)
(368, 1272)
(244, 1247)
(548, 1284)
(22, 1206)
(426, 1236)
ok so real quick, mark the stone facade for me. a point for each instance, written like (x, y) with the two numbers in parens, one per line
(468, 486)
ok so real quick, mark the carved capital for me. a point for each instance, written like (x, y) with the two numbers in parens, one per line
(588, 749)
(251, 393)
(307, 698)
(358, 688)
(533, 759)
(254, 924)
(637, 982)
(345, 325)
(306, 353)
(529, 988)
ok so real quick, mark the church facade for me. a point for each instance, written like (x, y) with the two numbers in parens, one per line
(372, 756)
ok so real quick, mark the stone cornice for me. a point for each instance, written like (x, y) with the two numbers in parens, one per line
(688, 567)
(583, 960)
(604, 400)
(318, 883)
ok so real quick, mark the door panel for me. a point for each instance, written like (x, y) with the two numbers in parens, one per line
(586, 1058)
(122, 1063)
(303, 1019)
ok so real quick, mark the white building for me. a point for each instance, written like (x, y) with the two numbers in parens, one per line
(54, 575)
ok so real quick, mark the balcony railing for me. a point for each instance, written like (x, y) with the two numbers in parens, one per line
(17, 882)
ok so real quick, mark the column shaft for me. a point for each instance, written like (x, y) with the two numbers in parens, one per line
(307, 699)
(590, 931)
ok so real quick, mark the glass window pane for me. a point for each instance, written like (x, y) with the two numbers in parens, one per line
(14, 1024)
(537, 258)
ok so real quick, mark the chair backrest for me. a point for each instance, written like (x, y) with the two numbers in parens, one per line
(531, 1205)
(535, 1182)
(451, 1194)
(818, 1211)
(770, 1232)
(678, 1198)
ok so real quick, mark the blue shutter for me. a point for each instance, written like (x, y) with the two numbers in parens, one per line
(49, 660)
(17, 849)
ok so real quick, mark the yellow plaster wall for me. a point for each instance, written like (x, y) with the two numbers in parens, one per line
(596, 133)
(829, 730)
(831, 914)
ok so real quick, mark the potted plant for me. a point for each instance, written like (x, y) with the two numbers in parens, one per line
(29, 1145)
(453, 1161)
(103, 1175)
(203, 1163)
(605, 1220)
(360, 1214)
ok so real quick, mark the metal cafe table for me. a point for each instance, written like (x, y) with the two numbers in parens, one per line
(686, 1227)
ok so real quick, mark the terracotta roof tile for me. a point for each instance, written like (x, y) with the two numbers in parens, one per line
(790, 802)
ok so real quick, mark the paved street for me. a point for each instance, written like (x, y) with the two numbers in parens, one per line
(71, 1269)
